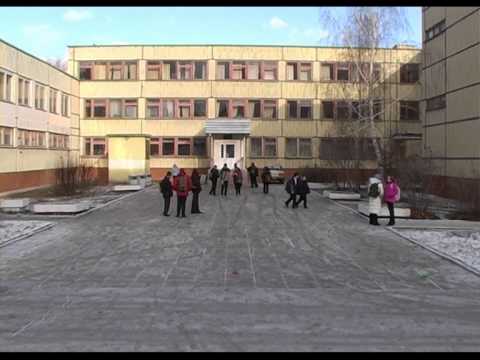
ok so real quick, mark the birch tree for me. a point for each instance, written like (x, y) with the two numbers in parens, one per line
(364, 33)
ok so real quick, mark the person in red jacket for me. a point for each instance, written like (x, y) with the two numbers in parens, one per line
(182, 184)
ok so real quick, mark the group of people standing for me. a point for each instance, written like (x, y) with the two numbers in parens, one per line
(389, 192)
(177, 180)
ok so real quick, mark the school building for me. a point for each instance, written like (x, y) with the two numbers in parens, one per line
(451, 93)
(135, 109)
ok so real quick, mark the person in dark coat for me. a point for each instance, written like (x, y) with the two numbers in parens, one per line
(266, 179)
(167, 192)
(182, 184)
(302, 190)
(225, 179)
(214, 175)
(291, 189)
(253, 174)
(196, 188)
(237, 179)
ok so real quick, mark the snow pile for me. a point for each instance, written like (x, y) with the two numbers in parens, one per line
(10, 230)
(463, 245)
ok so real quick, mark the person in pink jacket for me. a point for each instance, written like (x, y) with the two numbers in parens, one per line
(392, 195)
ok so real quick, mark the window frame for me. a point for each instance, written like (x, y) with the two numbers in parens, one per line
(95, 140)
(31, 139)
(56, 137)
(299, 104)
(333, 71)
(52, 105)
(406, 73)
(264, 140)
(264, 65)
(3, 131)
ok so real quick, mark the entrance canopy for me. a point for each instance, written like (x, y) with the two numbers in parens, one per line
(227, 126)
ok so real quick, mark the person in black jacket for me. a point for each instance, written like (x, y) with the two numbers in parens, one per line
(214, 175)
(266, 179)
(291, 189)
(196, 188)
(253, 173)
(167, 192)
(302, 189)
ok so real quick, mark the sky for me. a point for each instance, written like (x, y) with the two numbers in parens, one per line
(47, 31)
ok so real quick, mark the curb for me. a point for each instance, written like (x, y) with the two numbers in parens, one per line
(441, 254)
(24, 236)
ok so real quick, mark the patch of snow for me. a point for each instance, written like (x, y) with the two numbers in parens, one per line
(463, 245)
(13, 229)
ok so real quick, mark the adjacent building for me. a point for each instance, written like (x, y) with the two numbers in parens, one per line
(451, 92)
(39, 121)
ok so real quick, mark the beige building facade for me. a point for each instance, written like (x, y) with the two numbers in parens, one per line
(201, 105)
(39, 121)
(451, 92)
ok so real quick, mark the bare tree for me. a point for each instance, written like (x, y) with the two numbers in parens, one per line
(364, 33)
(58, 63)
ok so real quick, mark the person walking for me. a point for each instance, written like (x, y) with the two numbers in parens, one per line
(375, 195)
(302, 190)
(392, 195)
(196, 188)
(224, 179)
(214, 175)
(182, 184)
(253, 174)
(266, 179)
(166, 190)
(291, 189)
(237, 179)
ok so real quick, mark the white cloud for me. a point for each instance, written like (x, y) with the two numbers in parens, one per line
(277, 23)
(77, 15)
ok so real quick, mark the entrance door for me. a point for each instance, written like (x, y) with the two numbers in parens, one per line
(227, 152)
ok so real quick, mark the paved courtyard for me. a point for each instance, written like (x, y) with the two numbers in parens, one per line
(247, 275)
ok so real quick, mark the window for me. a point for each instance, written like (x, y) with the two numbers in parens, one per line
(223, 71)
(270, 147)
(409, 110)
(222, 108)
(185, 70)
(168, 146)
(200, 108)
(305, 147)
(153, 70)
(168, 109)
(88, 108)
(343, 72)
(269, 109)
(130, 109)
(292, 71)
(64, 108)
(409, 73)
(298, 147)
(327, 109)
(254, 108)
(435, 30)
(53, 101)
(291, 147)
(346, 149)
(327, 72)
(435, 103)
(154, 146)
(115, 71)
(305, 72)
(2, 86)
(299, 109)
(184, 109)
(86, 70)
(100, 71)
(23, 91)
(253, 70)
(239, 70)
(130, 70)
(269, 70)
(8, 88)
(28, 138)
(183, 146)
(200, 146)
(99, 108)
(57, 141)
(343, 110)
(255, 147)
(153, 109)
(95, 147)
(238, 108)
(115, 108)
(39, 97)
(6, 136)
(200, 70)
(169, 70)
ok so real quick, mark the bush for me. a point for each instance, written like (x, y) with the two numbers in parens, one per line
(72, 179)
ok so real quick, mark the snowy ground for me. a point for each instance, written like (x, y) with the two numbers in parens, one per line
(463, 245)
(11, 230)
